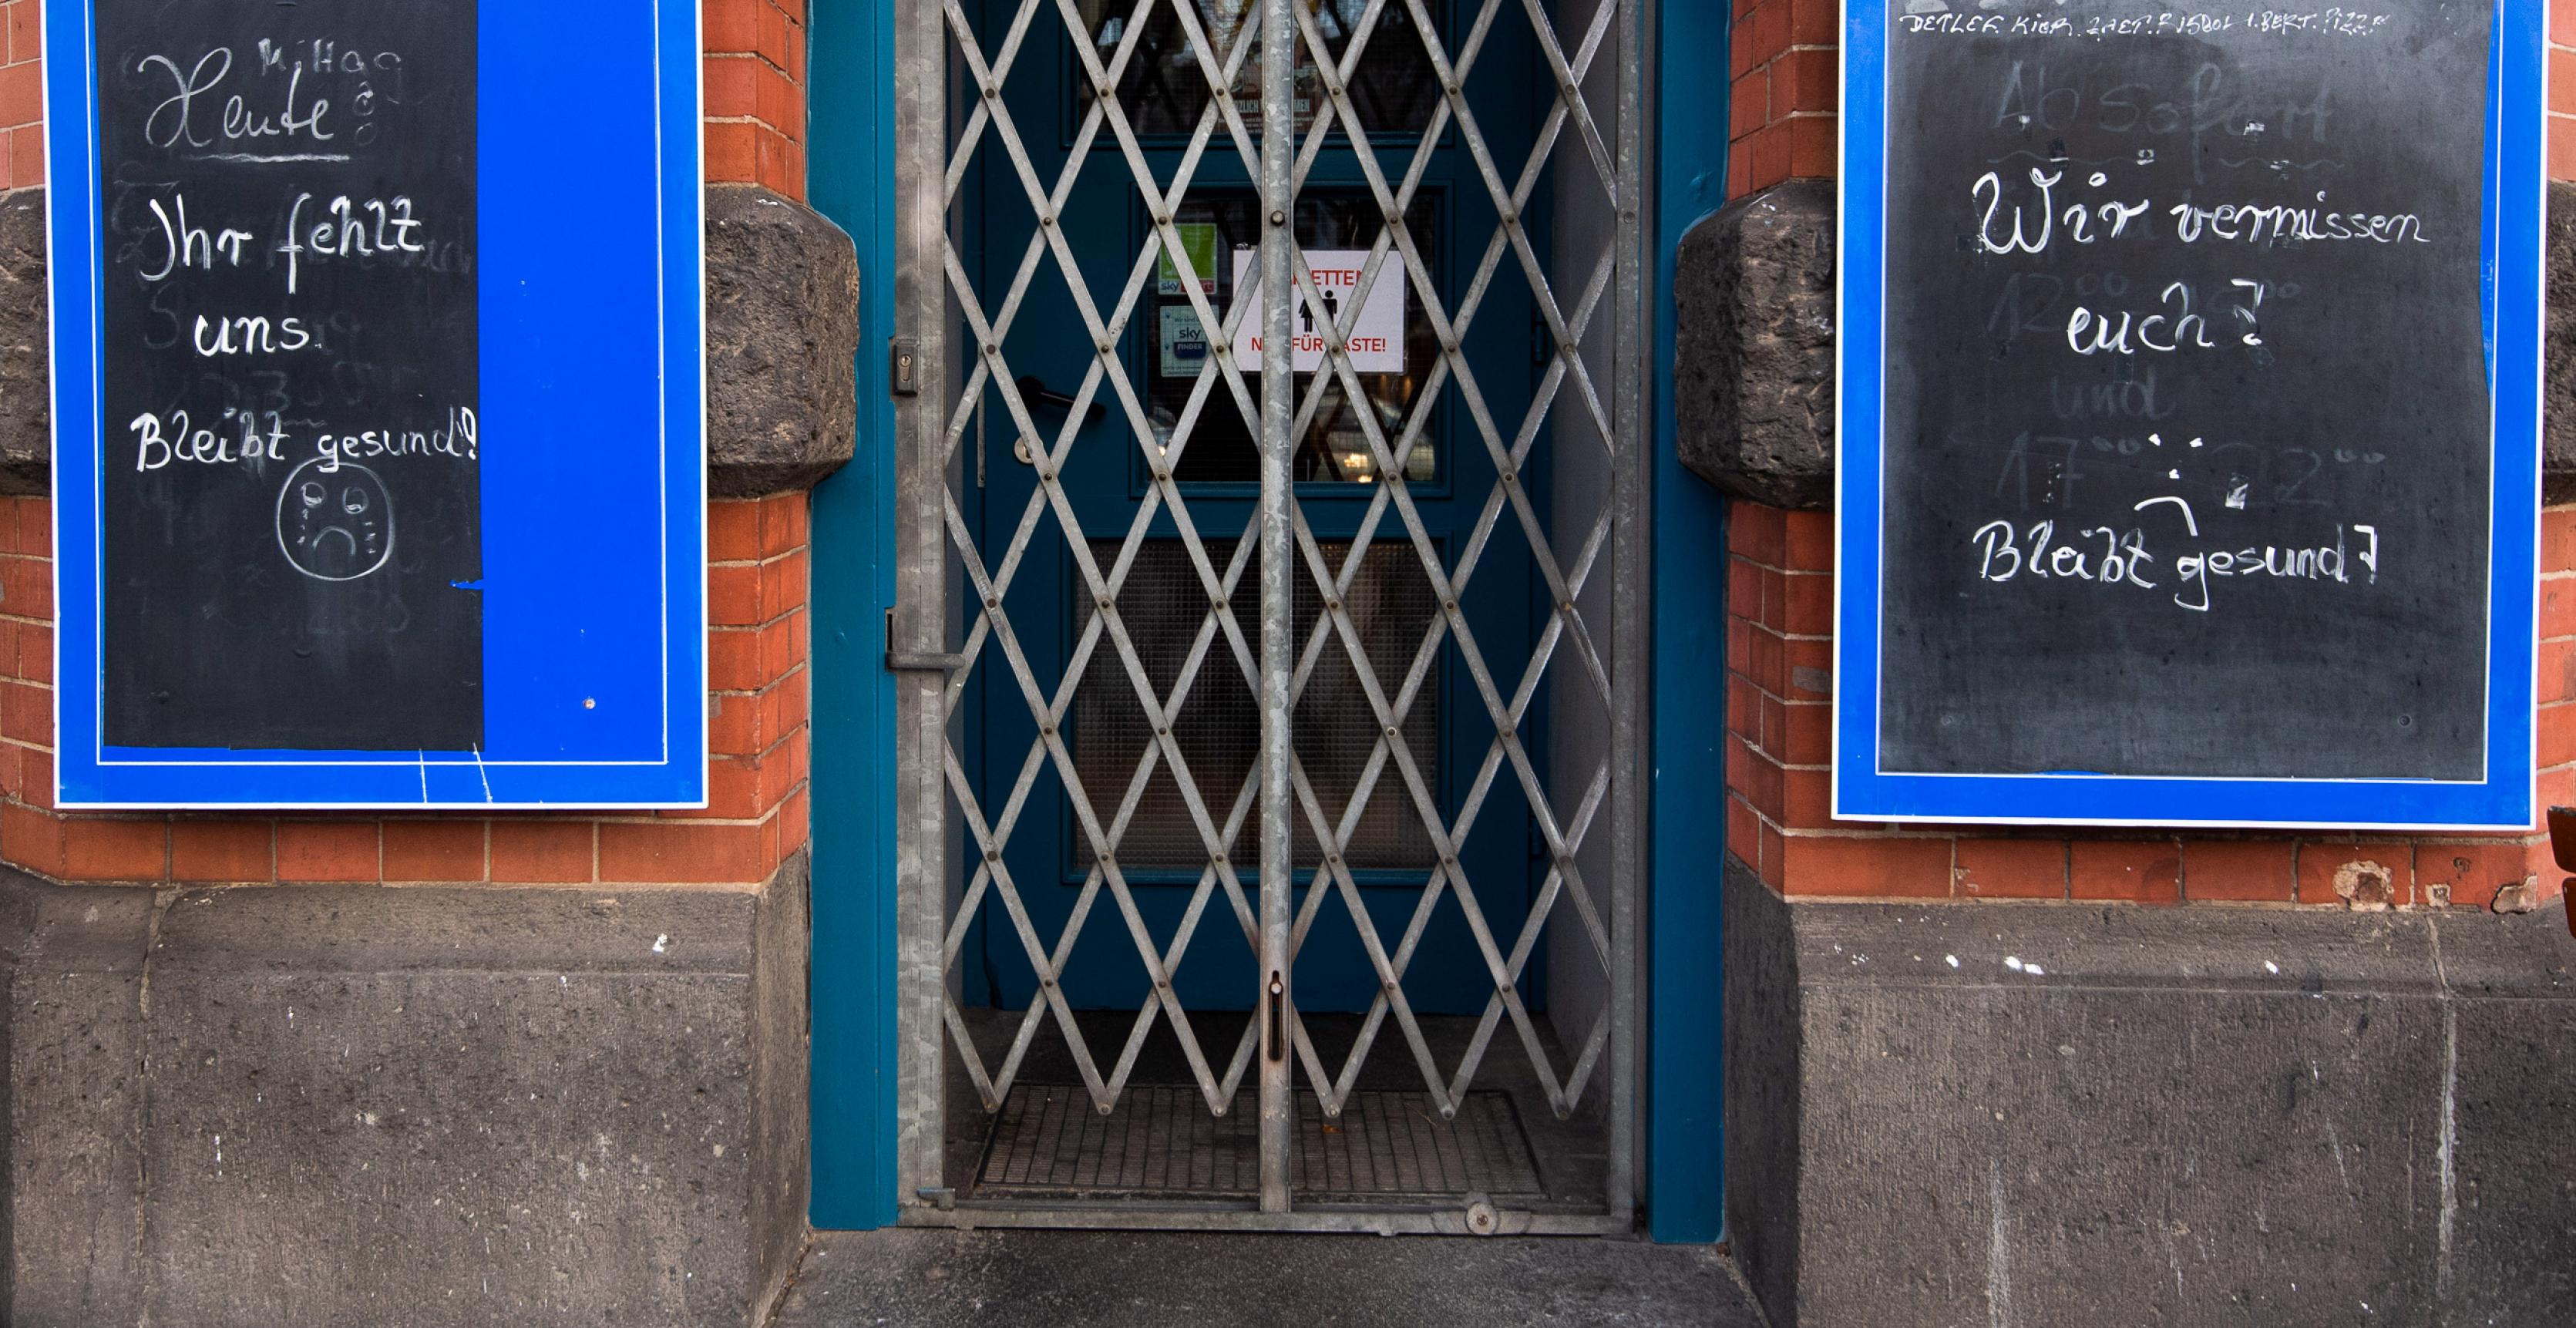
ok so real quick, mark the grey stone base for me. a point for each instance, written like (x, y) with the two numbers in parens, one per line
(1117, 1279)
(2149, 1116)
(306, 1106)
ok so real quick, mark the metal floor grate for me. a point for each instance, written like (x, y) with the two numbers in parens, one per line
(1047, 1141)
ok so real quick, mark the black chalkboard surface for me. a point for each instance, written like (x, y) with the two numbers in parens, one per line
(2187, 423)
(290, 495)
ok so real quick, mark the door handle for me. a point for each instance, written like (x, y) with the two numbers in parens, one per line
(1034, 389)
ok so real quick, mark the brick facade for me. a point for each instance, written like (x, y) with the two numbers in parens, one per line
(1780, 596)
(755, 81)
(757, 648)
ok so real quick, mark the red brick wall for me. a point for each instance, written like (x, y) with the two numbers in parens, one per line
(1780, 122)
(757, 649)
(1780, 595)
(755, 76)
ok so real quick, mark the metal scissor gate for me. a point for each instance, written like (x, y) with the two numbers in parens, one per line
(1271, 741)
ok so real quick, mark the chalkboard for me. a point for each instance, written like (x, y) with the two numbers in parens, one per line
(289, 312)
(2192, 454)
(378, 403)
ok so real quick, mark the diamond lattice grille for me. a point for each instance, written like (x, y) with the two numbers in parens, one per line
(1139, 720)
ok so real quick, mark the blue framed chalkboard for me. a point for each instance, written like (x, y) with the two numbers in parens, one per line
(2189, 398)
(379, 444)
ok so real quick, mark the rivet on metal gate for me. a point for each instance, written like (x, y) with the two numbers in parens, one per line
(1217, 1110)
(1511, 216)
(1481, 1217)
(1568, 606)
(1332, 606)
(1511, 477)
(992, 350)
(1162, 477)
(1163, 732)
(1450, 605)
(1108, 1107)
(1107, 604)
(1507, 731)
(1047, 982)
(1046, 219)
(1219, 858)
(1390, 730)
(992, 90)
(992, 855)
(1162, 219)
(1104, 859)
(1103, 347)
(1046, 476)
(1389, 984)
(992, 601)
(1046, 730)
(1278, 218)
(1451, 87)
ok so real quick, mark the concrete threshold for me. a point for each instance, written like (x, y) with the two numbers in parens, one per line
(1065, 1279)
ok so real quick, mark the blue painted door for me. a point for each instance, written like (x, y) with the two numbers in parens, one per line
(1155, 447)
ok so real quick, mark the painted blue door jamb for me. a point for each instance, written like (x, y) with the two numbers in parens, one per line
(1685, 1122)
(851, 118)
(850, 136)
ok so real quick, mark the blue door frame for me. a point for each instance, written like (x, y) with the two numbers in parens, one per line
(850, 136)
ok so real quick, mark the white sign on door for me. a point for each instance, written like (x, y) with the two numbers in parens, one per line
(1377, 338)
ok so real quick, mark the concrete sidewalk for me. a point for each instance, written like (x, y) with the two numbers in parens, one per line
(1050, 1279)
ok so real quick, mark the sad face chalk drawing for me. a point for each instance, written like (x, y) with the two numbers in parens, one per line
(335, 523)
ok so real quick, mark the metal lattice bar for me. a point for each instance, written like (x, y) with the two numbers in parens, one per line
(1277, 546)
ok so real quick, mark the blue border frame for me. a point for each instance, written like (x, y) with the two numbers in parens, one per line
(2503, 800)
(610, 611)
(850, 141)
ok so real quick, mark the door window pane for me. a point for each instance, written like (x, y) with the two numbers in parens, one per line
(1218, 729)
(1219, 230)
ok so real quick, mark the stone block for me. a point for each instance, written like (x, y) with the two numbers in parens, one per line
(26, 348)
(2122, 1115)
(1753, 381)
(1753, 362)
(782, 302)
(327, 1105)
(782, 343)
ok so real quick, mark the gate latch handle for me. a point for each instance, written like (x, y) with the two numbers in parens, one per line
(900, 661)
(1274, 1032)
(917, 661)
